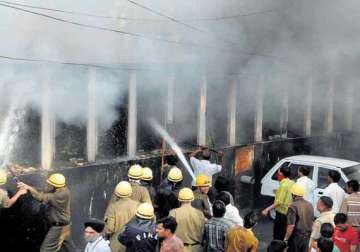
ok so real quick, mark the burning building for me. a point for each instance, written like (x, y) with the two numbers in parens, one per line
(258, 88)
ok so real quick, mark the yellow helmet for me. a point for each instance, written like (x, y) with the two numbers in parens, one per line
(147, 174)
(186, 195)
(3, 177)
(203, 180)
(135, 172)
(57, 180)
(298, 190)
(145, 211)
(175, 175)
(123, 189)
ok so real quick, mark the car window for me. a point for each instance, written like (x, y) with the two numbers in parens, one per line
(294, 170)
(274, 176)
(323, 178)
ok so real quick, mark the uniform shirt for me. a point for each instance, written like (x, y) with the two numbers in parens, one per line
(4, 199)
(309, 187)
(240, 239)
(190, 223)
(337, 194)
(117, 215)
(59, 202)
(283, 197)
(215, 233)
(232, 215)
(204, 167)
(325, 217)
(344, 240)
(140, 193)
(202, 203)
(99, 245)
(174, 244)
(139, 235)
(351, 207)
(301, 215)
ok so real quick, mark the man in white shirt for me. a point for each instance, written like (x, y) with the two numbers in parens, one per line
(232, 214)
(307, 183)
(204, 166)
(93, 236)
(334, 191)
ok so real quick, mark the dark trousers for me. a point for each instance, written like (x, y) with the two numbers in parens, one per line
(280, 225)
(58, 239)
(299, 242)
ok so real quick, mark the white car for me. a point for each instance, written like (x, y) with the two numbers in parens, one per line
(319, 168)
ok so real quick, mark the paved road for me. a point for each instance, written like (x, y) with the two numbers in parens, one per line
(263, 230)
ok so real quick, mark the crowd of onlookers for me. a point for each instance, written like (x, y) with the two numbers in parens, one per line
(337, 222)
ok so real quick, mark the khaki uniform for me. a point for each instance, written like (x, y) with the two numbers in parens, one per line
(140, 193)
(151, 191)
(190, 226)
(118, 214)
(4, 199)
(202, 203)
(59, 217)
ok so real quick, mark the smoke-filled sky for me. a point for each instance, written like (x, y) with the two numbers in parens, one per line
(288, 42)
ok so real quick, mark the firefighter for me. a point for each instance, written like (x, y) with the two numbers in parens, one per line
(190, 222)
(139, 192)
(201, 201)
(57, 199)
(167, 193)
(5, 201)
(118, 214)
(146, 181)
(140, 233)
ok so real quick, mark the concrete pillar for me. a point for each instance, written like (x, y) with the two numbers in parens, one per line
(47, 126)
(202, 112)
(259, 109)
(170, 100)
(349, 106)
(308, 107)
(92, 122)
(132, 116)
(329, 116)
(284, 114)
(232, 112)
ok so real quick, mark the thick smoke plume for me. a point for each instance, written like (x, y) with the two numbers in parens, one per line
(285, 43)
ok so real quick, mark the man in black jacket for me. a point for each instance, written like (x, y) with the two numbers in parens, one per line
(139, 234)
(167, 193)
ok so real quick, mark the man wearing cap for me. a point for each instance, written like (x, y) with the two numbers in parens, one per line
(139, 234)
(146, 181)
(118, 214)
(168, 191)
(93, 236)
(201, 201)
(203, 165)
(139, 193)
(300, 217)
(190, 221)
(57, 198)
(5, 201)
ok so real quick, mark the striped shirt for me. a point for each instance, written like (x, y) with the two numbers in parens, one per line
(351, 207)
(215, 233)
